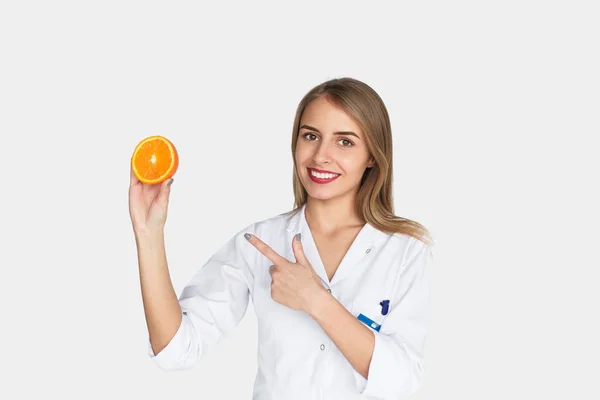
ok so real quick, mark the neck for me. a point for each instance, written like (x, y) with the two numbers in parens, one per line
(332, 215)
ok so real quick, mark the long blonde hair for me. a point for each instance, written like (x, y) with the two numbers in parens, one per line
(375, 195)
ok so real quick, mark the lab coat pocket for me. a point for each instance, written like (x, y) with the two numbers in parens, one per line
(372, 306)
(369, 312)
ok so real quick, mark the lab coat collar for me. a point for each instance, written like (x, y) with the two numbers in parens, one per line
(367, 240)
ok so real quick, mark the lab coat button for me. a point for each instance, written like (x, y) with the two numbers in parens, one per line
(322, 347)
(368, 250)
(329, 290)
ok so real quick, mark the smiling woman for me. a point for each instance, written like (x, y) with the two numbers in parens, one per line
(343, 123)
(340, 285)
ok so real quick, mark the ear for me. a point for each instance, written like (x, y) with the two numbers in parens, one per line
(371, 163)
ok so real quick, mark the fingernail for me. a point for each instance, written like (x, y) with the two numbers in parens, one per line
(170, 182)
(247, 236)
(298, 236)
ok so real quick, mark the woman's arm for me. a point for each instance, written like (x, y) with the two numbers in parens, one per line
(391, 359)
(210, 306)
(354, 339)
(161, 306)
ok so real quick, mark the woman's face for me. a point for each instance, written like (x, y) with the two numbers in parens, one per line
(332, 146)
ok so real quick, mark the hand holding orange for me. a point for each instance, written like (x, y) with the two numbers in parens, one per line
(154, 160)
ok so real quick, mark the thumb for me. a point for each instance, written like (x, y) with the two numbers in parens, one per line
(165, 190)
(299, 251)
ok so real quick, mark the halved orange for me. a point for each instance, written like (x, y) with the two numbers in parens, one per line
(154, 160)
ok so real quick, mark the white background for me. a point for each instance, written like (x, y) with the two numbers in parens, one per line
(494, 108)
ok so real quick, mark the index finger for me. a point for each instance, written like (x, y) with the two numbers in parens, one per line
(265, 250)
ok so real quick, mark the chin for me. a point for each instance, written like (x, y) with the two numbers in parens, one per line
(321, 193)
(321, 196)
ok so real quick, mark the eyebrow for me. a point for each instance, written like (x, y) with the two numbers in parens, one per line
(335, 133)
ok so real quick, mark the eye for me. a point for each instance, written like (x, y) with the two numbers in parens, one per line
(345, 142)
(308, 134)
(348, 141)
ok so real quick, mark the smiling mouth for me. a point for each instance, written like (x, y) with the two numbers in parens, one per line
(320, 177)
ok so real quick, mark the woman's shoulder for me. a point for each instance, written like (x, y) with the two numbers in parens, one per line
(412, 247)
(409, 245)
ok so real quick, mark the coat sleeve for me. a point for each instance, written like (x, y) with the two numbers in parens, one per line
(212, 304)
(396, 368)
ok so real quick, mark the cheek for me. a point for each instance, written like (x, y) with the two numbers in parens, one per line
(348, 165)
(302, 155)
(353, 164)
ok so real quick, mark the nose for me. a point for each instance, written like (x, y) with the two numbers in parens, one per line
(321, 155)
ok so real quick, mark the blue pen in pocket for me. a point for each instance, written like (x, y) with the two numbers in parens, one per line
(385, 307)
(369, 322)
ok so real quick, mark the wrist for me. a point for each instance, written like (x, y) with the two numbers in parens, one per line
(149, 236)
(318, 303)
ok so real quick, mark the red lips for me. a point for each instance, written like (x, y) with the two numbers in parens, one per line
(321, 180)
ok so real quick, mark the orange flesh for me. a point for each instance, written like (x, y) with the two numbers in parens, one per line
(154, 160)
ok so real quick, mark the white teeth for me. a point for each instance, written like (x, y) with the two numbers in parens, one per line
(322, 176)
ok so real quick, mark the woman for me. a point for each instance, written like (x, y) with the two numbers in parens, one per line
(339, 284)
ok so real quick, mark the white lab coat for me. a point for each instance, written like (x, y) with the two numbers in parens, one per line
(296, 358)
